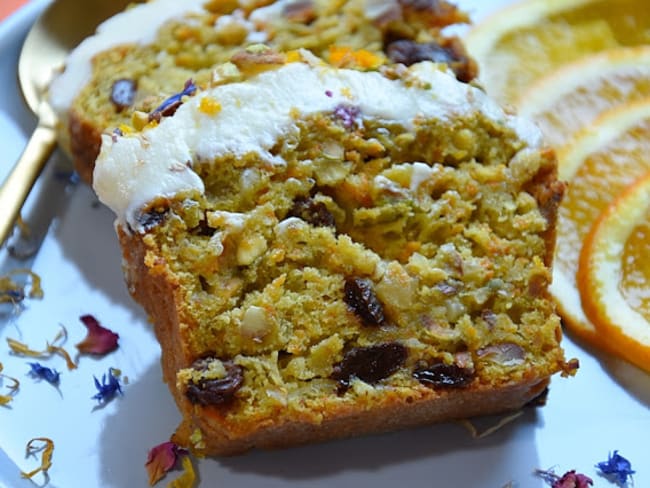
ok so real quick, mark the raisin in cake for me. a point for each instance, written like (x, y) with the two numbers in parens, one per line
(328, 252)
(141, 56)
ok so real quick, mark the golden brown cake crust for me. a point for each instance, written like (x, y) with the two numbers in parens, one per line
(85, 141)
(393, 414)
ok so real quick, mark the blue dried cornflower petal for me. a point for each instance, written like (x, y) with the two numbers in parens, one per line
(170, 105)
(41, 372)
(616, 467)
(108, 388)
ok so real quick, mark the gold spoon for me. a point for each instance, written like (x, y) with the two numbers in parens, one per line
(63, 25)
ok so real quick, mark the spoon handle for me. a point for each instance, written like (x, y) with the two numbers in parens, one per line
(18, 184)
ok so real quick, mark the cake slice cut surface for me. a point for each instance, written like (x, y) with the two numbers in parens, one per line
(328, 252)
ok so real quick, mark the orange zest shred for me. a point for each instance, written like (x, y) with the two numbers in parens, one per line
(187, 477)
(346, 57)
(46, 449)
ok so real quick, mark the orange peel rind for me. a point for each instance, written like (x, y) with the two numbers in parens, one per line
(600, 273)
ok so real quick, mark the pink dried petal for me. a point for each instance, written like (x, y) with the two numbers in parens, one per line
(99, 340)
(161, 459)
(571, 479)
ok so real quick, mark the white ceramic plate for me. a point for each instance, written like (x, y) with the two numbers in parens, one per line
(605, 407)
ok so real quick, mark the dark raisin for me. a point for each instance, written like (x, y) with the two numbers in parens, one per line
(370, 364)
(218, 391)
(123, 93)
(442, 375)
(360, 297)
(152, 218)
(314, 213)
(203, 229)
(409, 52)
(452, 53)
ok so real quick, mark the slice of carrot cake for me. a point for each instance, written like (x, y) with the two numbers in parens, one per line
(327, 252)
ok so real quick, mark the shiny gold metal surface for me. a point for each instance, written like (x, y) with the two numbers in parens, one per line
(63, 25)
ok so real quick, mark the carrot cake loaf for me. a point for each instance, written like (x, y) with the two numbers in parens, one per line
(140, 57)
(328, 252)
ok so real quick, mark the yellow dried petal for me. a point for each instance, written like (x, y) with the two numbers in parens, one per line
(293, 56)
(22, 349)
(126, 129)
(209, 106)
(187, 477)
(36, 291)
(46, 449)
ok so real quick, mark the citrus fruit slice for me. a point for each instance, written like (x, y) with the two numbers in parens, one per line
(571, 97)
(523, 42)
(600, 162)
(601, 276)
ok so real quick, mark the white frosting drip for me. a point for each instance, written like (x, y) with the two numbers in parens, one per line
(254, 114)
(139, 24)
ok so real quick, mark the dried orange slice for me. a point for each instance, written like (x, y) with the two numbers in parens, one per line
(526, 41)
(613, 241)
(573, 96)
(603, 159)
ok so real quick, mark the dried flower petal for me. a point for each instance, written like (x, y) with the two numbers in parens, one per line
(617, 468)
(161, 459)
(187, 478)
(47, 448)
(41, 372)
(570, 479)
(108, 388)
(501, 423)
(13, 388)
(22, 349)
(13, 292)
(99, 340)
(171, 104)
(53, 348)
(349, 115)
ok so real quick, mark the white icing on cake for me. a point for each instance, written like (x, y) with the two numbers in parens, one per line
(131, 171)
